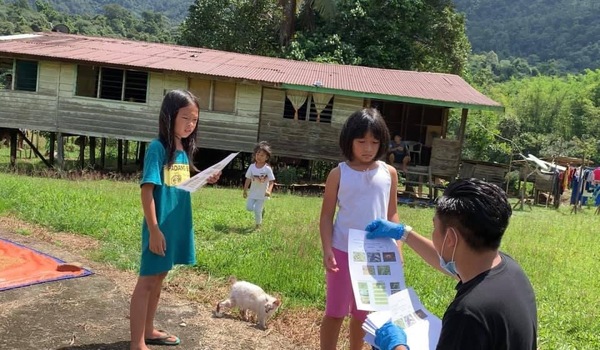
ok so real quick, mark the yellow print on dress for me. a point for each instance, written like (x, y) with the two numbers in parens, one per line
(176, 174)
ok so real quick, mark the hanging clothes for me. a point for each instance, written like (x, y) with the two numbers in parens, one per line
(576, 186)
(597, 195)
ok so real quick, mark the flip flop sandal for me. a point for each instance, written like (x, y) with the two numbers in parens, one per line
(163, 340)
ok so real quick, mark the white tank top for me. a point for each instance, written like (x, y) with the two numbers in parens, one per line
(362, 197)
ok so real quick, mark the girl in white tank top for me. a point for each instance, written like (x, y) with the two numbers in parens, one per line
(363, 189)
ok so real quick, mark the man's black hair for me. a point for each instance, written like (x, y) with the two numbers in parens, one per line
(478, 209)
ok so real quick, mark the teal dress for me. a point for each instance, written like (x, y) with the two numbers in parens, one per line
(173, 211)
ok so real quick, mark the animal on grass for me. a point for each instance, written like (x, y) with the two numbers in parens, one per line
(249, 298)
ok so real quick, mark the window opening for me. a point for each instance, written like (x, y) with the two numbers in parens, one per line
(136, 84)
(26, 75)
(6, 73)
(111, 84)
(87, 81)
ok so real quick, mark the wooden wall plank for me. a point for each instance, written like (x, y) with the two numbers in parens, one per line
(27, 110)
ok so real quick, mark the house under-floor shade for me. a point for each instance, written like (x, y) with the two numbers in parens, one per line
(113, 88)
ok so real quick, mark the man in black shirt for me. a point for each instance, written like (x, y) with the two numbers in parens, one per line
(494, 306)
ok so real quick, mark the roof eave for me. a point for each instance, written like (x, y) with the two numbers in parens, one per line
(407, 99)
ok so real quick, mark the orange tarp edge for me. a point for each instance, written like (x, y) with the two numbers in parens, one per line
(21, 266)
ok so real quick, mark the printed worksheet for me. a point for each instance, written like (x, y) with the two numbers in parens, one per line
(422, 328)
(375, 270)
(199, 180)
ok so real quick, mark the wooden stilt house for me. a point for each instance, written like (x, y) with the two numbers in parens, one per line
(113, 88)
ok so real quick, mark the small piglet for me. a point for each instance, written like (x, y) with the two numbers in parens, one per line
(248, 297)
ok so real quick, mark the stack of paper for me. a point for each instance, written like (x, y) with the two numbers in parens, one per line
(376, 270)
(200, 179)
(422, 328)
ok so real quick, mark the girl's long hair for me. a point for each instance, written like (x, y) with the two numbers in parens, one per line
(173, 101)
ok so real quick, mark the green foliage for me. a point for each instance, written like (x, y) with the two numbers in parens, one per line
(115, 21)
(555, 36)
(545, 116)
(285, 256)
(386, 34)
(485, 69)
(392, 35)
(245, 26)
(175, 10)
(287, 176)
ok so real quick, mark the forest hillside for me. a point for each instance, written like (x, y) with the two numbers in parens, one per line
(567, 31)
(175, 10)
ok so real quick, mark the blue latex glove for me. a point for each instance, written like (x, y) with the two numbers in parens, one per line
(379, 228)
(389, 336)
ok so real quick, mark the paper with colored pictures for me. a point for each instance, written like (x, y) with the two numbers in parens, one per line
(200, 179)
(422, 328)
(376, 270)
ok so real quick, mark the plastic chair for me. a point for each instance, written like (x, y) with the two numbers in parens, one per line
(415, 148)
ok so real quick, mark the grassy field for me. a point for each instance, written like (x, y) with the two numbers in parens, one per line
(558, 250)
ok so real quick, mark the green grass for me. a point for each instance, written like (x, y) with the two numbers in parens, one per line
(558, 250)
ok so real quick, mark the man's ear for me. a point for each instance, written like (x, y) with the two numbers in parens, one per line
(451, 236)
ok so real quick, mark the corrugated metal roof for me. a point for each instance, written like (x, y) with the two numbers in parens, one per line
(419, 87)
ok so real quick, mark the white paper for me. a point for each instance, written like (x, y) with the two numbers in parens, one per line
(194, 183)
(375, 270)
(422, 328)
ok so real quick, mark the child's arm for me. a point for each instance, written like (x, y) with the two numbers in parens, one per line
(326, 220)
(246, 186)
(271, 182)
(392, 214)
(270, 188)
(158, 245)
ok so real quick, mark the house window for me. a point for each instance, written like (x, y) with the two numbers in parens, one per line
(297, 107)
(136, 83)
(214, 95)
(87, 81)
(112, 83)
(26, 75)
(6, 73)
(201, 89)
(224, 97)
(321, 108)
(289, 111)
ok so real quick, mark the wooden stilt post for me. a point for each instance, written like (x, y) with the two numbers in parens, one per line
(61, 151)
(137, 152)
(93, 152)
(120, 155)
(51, 148)
(103, 153)
(33, 148)
(125, 151)
(81, 152)
(142, 155)
(13, 148)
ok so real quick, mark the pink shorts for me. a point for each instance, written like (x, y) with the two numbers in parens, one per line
(339, 301)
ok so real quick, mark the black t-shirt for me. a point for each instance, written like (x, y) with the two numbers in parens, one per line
(495, 310)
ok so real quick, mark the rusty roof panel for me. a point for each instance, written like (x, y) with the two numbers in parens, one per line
(438, 87)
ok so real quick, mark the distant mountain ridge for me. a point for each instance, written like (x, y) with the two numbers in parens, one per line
(567, 31)
(175, 10)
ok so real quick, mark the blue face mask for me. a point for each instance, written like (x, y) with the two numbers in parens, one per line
(448, 266)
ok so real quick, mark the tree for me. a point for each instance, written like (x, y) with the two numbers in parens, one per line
(392, 34)
(246, 26)
(306, 11)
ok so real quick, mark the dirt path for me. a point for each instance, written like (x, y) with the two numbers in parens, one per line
(92, 312)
